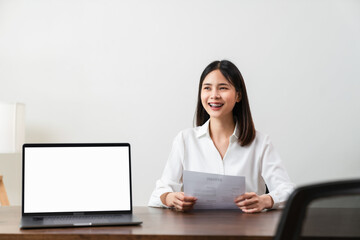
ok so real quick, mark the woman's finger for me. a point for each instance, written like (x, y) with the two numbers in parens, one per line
(179, 196)
(247, 202)
(189, 206)
(245, 196)
(251, 206)
(189, 199)
(182, 205)
(253, 210)
(178, 203)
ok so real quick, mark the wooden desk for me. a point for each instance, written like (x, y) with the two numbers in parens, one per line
(161, 224)
(158, 224)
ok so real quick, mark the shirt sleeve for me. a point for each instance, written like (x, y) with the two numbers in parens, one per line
(275, 175)
(171, 179)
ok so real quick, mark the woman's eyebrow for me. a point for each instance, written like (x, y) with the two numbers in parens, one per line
(220, 84)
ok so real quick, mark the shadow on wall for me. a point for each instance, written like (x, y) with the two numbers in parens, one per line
(38, 134)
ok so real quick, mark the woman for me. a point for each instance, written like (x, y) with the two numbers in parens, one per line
(224, 142)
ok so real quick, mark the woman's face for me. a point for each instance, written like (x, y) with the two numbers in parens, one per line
(218, 95)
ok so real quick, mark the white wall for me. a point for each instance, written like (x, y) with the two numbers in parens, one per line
(127, 71)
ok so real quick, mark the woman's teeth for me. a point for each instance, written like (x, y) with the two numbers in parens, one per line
(215, 105)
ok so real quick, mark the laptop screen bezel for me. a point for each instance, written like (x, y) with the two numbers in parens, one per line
(37, 145)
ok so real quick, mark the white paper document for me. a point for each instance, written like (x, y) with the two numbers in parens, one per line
(213, 191)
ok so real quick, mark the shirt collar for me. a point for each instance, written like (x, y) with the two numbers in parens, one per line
(204, 130)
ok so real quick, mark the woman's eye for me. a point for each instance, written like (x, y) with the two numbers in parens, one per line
(223, 88)
(206, 88)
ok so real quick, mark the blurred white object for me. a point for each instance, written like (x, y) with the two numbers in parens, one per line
(12, 127)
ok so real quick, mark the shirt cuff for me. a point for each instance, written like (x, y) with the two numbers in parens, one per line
(277, 204)
(155, 200)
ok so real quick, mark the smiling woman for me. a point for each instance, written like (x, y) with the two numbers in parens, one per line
(230, 81)
(224, 142)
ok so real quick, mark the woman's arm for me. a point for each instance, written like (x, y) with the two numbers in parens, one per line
(275, 175)
(170, 180)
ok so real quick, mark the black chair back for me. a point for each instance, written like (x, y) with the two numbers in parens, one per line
(291, 222)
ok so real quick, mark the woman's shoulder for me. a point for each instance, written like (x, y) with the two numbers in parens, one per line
(261, 138)
(261, 135)
(189, 132)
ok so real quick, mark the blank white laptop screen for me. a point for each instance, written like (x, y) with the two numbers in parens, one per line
(76, 179)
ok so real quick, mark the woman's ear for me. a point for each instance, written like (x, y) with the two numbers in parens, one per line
(238, 98)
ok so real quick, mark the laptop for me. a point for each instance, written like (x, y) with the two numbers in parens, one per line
(76, 185)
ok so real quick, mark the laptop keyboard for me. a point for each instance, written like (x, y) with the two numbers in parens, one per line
(81, 219)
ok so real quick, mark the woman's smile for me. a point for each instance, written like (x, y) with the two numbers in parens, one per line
(215, 106)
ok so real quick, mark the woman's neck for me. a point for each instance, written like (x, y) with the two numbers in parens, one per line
(221, 128)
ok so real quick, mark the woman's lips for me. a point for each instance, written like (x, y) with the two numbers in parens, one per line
(215, 106)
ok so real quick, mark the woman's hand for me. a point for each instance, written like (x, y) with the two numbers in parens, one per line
(179, 201)
(252, 203)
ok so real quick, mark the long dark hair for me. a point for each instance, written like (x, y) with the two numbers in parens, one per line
(241, 110)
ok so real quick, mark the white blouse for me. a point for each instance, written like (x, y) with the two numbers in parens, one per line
(194, 150)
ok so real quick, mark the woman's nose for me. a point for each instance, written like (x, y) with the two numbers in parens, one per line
(215, 94)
